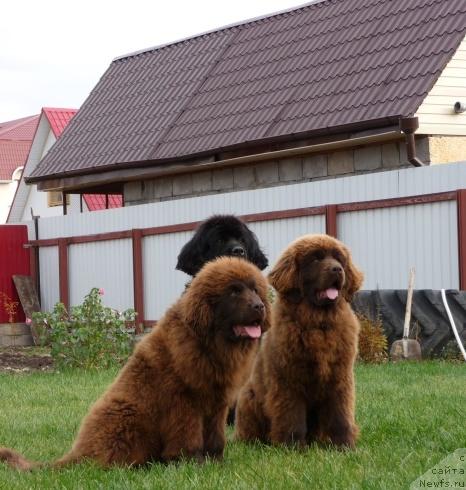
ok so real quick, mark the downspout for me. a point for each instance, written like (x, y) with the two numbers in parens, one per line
(37, 253)
(409, 125)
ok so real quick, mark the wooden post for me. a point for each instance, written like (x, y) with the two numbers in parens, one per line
(138, 279)
(63, 271)
(331, 220)
(461, 213)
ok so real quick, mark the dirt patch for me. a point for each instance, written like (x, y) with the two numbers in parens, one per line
(24, 359)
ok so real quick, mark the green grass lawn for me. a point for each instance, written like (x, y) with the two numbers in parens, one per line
(411, 416)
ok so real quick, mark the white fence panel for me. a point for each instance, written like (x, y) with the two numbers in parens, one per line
(107, 265)
(386, 242)
(275, 235)
(162, 283)
(49, 277)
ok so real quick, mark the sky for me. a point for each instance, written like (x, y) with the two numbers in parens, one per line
(53, 52)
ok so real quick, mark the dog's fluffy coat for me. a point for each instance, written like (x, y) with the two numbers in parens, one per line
(170, 400)
(302, 386)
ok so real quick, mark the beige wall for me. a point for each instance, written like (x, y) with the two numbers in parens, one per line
(446, 149)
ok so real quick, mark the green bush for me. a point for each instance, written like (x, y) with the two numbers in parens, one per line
(89, 336)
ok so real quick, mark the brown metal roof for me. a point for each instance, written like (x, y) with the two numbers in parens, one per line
(318, 67)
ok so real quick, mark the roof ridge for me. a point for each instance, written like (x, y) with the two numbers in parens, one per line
(59, 109)
(21, 122)
(242, 23)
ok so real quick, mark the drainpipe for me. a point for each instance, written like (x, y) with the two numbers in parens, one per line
(36, 252)
(409, 126)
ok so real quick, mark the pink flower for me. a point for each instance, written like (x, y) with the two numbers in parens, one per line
(28, 321)
(101, 291)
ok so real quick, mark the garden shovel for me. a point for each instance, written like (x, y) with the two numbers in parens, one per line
(406, 348)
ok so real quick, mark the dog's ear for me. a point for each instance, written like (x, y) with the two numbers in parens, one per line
(255, 254)
(190, 258)
(197, 312)
(353, 278)
(284, 276)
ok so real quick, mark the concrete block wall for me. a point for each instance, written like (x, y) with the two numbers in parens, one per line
(15, 335)
(277, 172)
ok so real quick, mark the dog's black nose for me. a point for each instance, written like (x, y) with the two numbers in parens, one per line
(338, 269)
(258, 305)
(238, 251)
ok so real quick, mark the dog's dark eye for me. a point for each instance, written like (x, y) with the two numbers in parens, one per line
(318, 256)
(338, 256)
(236, 289)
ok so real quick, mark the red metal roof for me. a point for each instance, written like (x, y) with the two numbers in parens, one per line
(310, 70)
(58, 118)
(13, 154)
(15, 141)
(19, 129)
(96, 202)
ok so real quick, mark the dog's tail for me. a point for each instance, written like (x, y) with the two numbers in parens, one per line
(19, 462)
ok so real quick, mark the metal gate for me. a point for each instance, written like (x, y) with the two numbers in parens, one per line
(14, 259)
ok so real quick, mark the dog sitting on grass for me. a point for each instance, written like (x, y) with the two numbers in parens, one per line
(302, 385)
(170, 400)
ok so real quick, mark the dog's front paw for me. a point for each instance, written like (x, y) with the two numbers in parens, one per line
(343, 436)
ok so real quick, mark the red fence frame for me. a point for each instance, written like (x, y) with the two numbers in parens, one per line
(330, 212)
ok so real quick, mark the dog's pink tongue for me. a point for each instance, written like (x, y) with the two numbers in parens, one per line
(330, 293)
(253, 331)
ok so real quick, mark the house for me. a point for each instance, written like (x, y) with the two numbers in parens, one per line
(15, 141)
(28, 200)
(331, 88)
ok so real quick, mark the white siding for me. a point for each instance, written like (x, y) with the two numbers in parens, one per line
(27, 196)
(386, 242)
(436, 114)
(49, 277)
(107, 265)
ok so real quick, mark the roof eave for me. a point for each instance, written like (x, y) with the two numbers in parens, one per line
(145, 170)
(380, 124)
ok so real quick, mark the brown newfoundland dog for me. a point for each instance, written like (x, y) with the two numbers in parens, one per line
(170, 400)
(302, 386)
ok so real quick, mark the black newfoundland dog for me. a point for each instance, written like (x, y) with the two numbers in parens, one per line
(221, 235)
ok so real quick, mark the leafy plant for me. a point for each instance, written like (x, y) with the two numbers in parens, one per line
(372, 340)
(89, 336)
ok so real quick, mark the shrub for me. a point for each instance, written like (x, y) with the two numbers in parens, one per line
(372, 340)
(88, 336)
